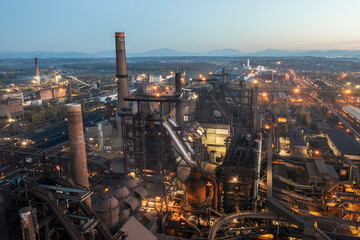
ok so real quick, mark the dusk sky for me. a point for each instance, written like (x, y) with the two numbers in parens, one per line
(187, 25)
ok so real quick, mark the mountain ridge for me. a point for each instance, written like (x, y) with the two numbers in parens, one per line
(167, 52)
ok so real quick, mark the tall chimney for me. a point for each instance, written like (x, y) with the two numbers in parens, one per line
(37, 72)
(78, 168)
(121, 74)
(179, 110)
(223, 74)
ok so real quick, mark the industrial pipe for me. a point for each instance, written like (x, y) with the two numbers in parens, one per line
(176, 140)
(187, 145)
(257, 167)
(191, 224)
(238, 215)
(179, 110)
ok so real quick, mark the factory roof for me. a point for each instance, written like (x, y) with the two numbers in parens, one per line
(311, 169)
(354, 111)
(141, 191)
(321, 125)
(322, 168)
(132, 202)
(135, 230)
(297, 139)
(344, 143)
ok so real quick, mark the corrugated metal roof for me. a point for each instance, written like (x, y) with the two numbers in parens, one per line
(132, 202)
(297, 139)
(311, 169)
(354, 111)
(345, 143)
(322, 168)
(141, 191)
(333, 173)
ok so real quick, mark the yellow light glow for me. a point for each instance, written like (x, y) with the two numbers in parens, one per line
(264, 94)
(132, 174)
(154, 87)
(348, 91)
(158, 94)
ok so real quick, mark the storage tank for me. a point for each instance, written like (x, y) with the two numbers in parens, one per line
(108, 209)
(121, 193)
(130, 182)
(196, 189)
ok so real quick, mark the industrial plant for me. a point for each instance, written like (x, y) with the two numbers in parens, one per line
(204, 156)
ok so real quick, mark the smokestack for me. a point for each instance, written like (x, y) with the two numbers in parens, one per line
(69, 92)
(100, 137)
(78, 168)
(179, 110)
(223, 74)
(197, 69)
(256, 92)
(121, 74)
(37, 72)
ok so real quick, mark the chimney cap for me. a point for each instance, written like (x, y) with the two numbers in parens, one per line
(119, 34)
(73, 107)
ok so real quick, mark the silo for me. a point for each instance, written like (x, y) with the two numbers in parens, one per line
(121, 193)
(108, 209)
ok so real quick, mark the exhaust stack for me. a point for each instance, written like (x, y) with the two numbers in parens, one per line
(223, 74)
(37, 77)
(179, 110)
(78, 167)
(121, 76)
(121, 73)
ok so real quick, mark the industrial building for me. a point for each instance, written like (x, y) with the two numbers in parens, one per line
(343, 144)
(11, 108)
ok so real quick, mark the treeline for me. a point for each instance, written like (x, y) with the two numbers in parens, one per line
(299, 111)
(152, 68)
(51, 113)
